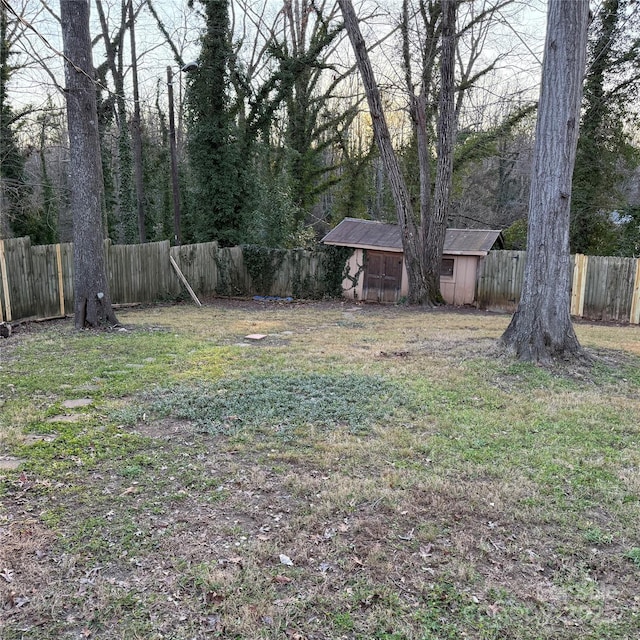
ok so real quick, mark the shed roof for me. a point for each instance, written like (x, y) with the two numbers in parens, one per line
(382, 236)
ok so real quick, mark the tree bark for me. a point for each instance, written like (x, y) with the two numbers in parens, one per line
(446, 139)
(541, 328)
(92, 302)
(124, 216)
(136, 130)
(412, 244)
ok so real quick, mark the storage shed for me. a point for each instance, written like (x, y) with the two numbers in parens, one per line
(377, 272)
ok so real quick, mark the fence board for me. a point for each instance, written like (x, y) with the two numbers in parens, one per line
(62, 307)
(580, 265)
(198, 263)
(500, 280)
(5, 298)
(635, 303)
(233, 278)
(17, 255)
(139, 273)
(607, 285)
(609, 288)
(45, 281)
(30, 278)
(66, 252)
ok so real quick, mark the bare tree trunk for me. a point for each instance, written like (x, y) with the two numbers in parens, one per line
(541, 328)
(92, 304)
(126, 219)
(136, 130)
(411, 238)
(446, 139)
(175, 182)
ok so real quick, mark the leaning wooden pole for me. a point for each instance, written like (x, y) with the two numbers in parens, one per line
(184, 281)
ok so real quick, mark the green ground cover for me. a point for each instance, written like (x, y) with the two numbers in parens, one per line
(361, 472)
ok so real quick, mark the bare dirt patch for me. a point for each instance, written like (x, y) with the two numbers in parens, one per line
(167, 429)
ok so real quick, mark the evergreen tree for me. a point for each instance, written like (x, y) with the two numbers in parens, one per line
(628, 233)
(218, 173)
(604, 151)
(11, 161)
(156, 167)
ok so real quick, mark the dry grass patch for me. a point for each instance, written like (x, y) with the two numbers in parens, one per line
(365, 472)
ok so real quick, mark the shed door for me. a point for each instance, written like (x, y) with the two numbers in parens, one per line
(383, 276)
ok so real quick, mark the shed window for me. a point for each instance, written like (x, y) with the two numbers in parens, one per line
(446, 267)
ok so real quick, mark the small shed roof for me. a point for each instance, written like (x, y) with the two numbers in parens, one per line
(382, 236)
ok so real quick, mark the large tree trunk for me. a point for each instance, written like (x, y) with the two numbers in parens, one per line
(541, 328)
(92, 306)
(437, 221)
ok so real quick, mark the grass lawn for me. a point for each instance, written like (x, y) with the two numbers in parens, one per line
(360, 472)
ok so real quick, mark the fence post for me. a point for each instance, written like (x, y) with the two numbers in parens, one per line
(635, 299)
(5, 282)
(579, 284)
(60, 280)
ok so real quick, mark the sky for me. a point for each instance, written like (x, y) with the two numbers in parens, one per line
(518, 38)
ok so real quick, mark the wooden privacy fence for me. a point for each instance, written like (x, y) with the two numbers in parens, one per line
(603, 288)
(37, 281)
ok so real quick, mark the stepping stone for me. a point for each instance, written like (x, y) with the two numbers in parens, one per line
(88, 387)
(40, 437)
(76, 404)
(255, 336)
(9, 464)
(66, 418)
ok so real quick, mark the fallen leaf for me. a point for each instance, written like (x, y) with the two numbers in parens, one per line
(23, 481)
(214, 623)
(233, 560)
(7, 574)
(280, 579)
(127, 491)
(213, 597)
(286, 560)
